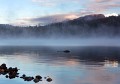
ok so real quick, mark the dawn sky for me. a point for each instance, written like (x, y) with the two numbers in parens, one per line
(33, 12)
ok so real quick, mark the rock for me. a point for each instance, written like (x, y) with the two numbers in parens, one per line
(38, 77)
(66, 51)
(6, 76)
(49, 79)
(23, 76)
(3, 66)
(13, 73)
(28, 78)
(36, 80)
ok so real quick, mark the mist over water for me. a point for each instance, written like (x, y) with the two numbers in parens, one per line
(60, 42)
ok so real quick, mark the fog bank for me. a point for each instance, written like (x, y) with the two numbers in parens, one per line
(60, 42)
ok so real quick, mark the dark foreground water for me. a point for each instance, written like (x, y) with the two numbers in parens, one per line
(83, 65)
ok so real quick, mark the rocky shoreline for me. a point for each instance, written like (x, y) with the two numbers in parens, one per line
(12, 73)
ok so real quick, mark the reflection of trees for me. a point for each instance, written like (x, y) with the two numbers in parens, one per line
(109, 63)
(93, 54)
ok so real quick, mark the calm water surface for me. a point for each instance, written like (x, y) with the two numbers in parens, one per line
(83, 65)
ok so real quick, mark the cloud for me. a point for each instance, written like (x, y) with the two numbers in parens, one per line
(45, 2)
(51, 3)
(91, 7)
(45, 20)
(51, 18)
(101, 1)
(103, 5)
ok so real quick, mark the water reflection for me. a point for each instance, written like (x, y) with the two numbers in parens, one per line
(83, 65)
(109, 63)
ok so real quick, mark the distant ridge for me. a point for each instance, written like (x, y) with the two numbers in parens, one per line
(92, 17)
(96, 25)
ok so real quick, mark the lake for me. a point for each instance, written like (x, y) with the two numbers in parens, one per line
(83, 65)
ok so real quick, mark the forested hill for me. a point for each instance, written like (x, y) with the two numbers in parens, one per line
(91, 25)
